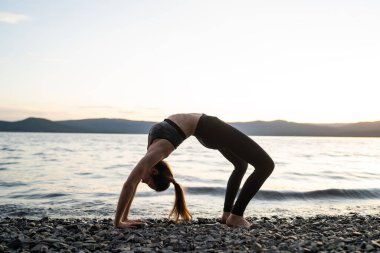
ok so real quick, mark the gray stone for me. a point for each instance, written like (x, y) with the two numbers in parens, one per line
(369, 247)
(39, 248)
(257, 246)
(44, 249)
(102, 233)
(78, 244)
(90, 246)
(15, 244)
(51, 240)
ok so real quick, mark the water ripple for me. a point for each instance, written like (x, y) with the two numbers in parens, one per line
(8, 163)
(12, 184)
(8, 149)
(83, 173)
(286, 195)
(39, 195)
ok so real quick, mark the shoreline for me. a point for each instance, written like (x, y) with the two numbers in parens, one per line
(351, 232)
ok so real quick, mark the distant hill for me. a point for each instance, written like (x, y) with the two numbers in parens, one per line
(110, 125)
(38, 125)
(268, 128)
(77, 126)
(285, 128)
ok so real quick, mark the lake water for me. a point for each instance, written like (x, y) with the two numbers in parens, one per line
(81, 175)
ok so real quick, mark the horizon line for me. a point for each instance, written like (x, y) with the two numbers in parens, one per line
(321, 123)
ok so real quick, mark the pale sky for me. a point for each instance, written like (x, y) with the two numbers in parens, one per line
(305, 61)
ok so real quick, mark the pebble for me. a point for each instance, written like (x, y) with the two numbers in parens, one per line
(321, 233)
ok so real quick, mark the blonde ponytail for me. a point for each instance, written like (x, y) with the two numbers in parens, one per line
(162, 182)
(179, 207)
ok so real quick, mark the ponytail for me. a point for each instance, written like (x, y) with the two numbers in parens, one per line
(179, 207)
(162, 182)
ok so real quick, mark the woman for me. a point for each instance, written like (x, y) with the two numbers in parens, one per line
(166, 136)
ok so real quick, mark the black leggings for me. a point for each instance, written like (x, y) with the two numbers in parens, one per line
(240, 150)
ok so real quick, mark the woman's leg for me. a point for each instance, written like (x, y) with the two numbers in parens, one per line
(251, 152)
(248, 150)
(240, 167)
(216, 134)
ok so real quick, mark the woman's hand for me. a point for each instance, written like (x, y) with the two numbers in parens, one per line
(131, 224)
(127, 194)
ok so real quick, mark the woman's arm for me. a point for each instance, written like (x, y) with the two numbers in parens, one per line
(155, 154)
(124, 217)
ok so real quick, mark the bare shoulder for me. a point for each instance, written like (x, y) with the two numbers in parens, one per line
(186, 121)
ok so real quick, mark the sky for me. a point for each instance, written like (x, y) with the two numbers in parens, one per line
(304, 61)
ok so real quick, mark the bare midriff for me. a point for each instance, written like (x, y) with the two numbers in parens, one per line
(186, 121)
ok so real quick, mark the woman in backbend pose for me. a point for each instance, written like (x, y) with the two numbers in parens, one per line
(166, 136)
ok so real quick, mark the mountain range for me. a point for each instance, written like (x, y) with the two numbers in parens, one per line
(266, 128)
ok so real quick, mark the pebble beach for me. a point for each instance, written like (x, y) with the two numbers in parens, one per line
(343, 233)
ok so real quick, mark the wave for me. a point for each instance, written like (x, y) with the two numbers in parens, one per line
(8, 149)
(11, 184)
(266, 195)
(38, 196)
(8, 163)
(293, 195)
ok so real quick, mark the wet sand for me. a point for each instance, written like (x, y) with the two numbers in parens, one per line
(348, 233)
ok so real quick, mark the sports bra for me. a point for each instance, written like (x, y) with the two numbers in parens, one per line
(167, 130)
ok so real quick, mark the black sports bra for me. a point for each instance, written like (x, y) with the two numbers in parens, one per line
(167, 130)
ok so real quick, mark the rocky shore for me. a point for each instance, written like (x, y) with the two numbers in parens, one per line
(347, 233)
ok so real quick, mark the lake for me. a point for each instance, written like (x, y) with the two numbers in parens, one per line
(81, 175)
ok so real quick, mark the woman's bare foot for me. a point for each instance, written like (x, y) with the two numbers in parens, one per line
(225, 217)
(237, 221)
